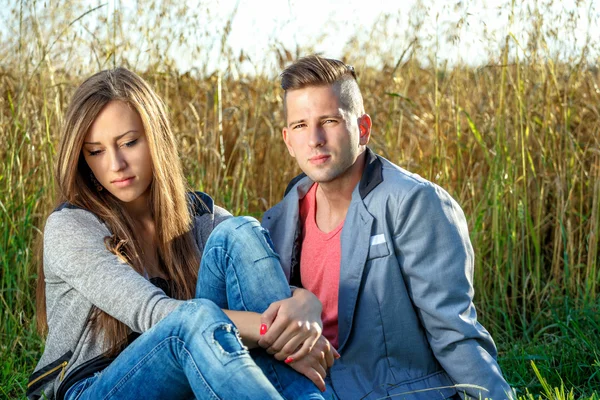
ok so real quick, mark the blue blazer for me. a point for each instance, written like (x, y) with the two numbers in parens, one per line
(407, 324)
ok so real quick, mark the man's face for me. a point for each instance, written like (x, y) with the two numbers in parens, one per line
(324, 138)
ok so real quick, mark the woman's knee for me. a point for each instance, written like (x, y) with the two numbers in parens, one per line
(236, 226)
(204, 318)
(231, 233)
(242, 238)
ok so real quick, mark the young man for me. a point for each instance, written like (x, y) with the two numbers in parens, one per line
(387, 253)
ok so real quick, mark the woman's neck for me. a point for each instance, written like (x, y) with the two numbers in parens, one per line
(139, 209)
(145, 235)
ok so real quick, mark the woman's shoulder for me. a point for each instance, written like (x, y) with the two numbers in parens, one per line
(69, 220)
(71, 235)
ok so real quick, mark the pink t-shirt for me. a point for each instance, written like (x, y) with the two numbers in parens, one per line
(320, 264)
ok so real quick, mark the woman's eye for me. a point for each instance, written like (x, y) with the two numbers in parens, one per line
(94, 152)
(131, 143)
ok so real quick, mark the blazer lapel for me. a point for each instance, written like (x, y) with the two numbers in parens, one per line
(355, 248)
(282, 221)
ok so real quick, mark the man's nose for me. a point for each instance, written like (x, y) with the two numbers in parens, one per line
(317, 136)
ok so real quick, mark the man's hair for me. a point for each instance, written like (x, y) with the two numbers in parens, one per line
(314, 70)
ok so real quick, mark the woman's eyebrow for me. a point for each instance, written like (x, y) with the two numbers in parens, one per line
(117, 138)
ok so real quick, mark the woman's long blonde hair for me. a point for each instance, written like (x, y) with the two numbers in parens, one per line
(176, 247)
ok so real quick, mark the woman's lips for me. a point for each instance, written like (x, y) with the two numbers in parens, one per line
(121, 183)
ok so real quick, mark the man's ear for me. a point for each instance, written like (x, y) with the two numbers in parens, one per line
(286, 140)
(364, 129)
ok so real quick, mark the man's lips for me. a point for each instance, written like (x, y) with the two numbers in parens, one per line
(319, 159)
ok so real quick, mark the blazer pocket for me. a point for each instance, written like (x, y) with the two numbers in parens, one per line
(378, 247)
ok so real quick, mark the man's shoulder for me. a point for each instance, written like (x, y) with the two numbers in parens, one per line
(396, 179)
(402, 188)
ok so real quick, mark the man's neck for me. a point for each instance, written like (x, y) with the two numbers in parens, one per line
(333, 198)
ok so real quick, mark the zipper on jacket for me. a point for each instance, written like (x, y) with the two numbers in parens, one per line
(62, 365)
(62, 373)
(82, 371)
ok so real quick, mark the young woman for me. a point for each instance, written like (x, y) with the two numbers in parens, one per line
(128, 313)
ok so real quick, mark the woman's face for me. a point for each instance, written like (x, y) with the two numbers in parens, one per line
(116, 150)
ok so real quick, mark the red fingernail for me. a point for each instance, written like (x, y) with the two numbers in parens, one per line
(337, 356)
(289, 360)
(263, 329)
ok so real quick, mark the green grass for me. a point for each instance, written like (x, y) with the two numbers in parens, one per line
(566, 353)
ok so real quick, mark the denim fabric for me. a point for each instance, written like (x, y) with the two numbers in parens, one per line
(75, 391)
(239, 268)
(193, 352)
(240, 271)
(196, 352)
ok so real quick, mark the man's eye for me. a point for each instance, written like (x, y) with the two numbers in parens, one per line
(299, 126)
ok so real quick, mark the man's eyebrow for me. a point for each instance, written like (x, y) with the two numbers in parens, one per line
(296, 122)
(322, 117)
(116, 138)
(331, 116)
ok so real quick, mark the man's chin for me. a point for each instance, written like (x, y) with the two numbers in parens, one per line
(320, 178)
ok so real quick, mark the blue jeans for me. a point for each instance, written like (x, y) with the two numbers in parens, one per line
(196, 352)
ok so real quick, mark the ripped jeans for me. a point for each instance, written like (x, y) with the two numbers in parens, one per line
(196, 352)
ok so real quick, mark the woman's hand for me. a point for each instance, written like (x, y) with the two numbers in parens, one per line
(315, 365)
(293, 326)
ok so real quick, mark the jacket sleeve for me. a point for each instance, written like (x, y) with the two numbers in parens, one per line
(434, 251)
(74, 253)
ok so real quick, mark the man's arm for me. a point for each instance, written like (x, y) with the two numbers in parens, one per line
(434, 251)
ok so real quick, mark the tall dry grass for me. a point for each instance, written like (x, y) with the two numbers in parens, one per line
(515, 141)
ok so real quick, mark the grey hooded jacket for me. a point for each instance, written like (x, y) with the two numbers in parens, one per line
(81, 273)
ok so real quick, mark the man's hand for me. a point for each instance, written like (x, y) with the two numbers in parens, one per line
(315, 365)
(293, 326)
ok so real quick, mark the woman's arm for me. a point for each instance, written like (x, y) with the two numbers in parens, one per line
(75, 256)
(248, 325)
(291, 326)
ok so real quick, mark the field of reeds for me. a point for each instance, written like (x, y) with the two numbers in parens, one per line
(515, 140)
